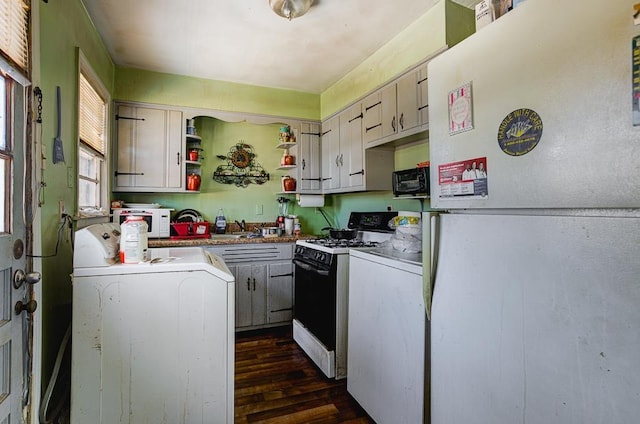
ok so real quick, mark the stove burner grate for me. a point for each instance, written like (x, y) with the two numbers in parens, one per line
(329, 242)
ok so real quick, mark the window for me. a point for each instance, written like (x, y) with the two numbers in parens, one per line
(14, 32)
(14, 64)
(93, 110)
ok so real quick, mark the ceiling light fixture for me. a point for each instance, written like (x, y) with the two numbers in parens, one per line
(290, 8)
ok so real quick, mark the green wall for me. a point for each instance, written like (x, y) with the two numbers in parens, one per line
(168, 89)
(64, 26)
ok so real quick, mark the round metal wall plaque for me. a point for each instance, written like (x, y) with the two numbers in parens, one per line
(519, 132)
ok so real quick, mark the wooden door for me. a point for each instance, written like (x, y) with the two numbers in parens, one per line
(15, 361)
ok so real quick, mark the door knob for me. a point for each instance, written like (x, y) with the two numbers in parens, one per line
(30, 306)
(19, 278)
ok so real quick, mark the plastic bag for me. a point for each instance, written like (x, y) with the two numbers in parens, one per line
(408, 235)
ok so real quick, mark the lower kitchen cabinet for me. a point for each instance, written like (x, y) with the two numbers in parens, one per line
(251, 295)
(264, 282)
(280, 292)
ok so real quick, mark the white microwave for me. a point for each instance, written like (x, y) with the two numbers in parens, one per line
(158, 220)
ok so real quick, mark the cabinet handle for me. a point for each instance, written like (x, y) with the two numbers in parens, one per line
(366, 109)
(312, 179)
(357, 173)
(248, 283)
(370, 128)
(393, 123)
(324, 133)
(341, 156)
(281, 310)
(178, 159)
(129, 118)
(324, 179)
(310, 133)
(337, 160)
(423, 80)
(356, 117)
(128, 173)
(254, 284)
(283, 275)
(402, 121)
(304, 164)
(422, 107)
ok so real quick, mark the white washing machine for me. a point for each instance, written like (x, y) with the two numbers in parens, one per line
(152, 342)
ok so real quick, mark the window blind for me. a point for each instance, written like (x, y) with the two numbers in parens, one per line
(92, 116)
(14, 32)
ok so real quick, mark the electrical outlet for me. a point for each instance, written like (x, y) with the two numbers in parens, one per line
(389, 208)
(62, 208)
(259, 210)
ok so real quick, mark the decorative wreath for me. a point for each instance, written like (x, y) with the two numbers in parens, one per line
(241, 169)
(241, 158)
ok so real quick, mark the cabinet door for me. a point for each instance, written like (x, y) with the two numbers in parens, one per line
(259, 294)
(149, 149)
(251, 295)
(308, 160)
(407, 86)
(423, 95)
(388, 97)
(351, 149)
(330, 145)
(372, 120)
(379, 110)
(243, 295)
(280, 293)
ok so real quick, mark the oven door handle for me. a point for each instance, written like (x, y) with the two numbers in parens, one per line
(307, 267)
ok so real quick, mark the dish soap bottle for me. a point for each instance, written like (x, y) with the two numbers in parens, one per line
(221, 222)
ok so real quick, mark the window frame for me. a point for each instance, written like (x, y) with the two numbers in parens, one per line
(85, 69)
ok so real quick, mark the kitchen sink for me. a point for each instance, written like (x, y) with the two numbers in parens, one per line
(234, 235)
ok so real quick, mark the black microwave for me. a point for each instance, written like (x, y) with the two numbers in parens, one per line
(414, 181)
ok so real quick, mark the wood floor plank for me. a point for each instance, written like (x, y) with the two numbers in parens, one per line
(275, 382)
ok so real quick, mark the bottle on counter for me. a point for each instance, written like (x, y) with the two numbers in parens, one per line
(221, 222)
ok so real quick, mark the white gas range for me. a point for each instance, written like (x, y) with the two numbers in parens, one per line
(321, 290)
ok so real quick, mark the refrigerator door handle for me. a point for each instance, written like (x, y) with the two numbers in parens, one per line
(430, 258)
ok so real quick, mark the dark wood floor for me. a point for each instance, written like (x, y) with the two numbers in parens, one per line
(275, 382)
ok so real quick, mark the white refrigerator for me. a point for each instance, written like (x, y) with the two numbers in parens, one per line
(535, 165)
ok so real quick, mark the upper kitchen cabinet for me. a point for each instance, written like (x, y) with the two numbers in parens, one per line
(351, 163)
(330, 151)
(412, 102)
(308, 160)
(346, 165)
(380, 118)
(148, 149)
(397, 110)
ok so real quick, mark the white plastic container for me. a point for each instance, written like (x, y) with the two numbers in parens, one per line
(134, 240)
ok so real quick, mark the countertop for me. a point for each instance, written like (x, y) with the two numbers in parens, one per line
(223, 241)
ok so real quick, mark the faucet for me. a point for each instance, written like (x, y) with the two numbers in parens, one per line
(242, 225)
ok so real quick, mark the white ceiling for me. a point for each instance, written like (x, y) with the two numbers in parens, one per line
(244, 41)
